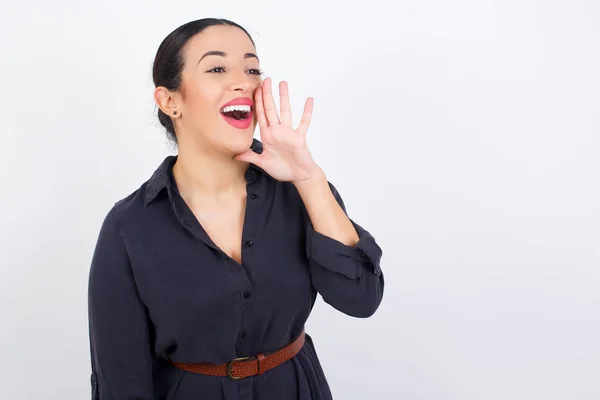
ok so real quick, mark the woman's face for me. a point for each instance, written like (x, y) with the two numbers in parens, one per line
(220, 67)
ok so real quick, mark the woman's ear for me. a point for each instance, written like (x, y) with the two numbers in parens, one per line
(165, 100)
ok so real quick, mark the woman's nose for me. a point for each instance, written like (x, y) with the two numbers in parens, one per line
(242, 82)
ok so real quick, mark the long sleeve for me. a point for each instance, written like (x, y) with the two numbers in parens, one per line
(118, 322)
(349, 278)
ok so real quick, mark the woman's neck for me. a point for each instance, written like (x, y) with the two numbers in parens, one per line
(209, 176)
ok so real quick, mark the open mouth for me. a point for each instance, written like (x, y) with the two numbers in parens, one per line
(237, 112)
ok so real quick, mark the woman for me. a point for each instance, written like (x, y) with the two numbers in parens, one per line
(203, 278)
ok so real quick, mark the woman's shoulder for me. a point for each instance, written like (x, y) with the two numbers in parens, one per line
(136, 202)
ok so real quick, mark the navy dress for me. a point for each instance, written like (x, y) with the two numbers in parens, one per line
(158, 285)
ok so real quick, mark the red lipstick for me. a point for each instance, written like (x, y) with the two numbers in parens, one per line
(240, 101)
(239, 123)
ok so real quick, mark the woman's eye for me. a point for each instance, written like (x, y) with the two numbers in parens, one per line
(253, 71)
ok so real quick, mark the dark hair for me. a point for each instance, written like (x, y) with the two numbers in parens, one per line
(169, 62)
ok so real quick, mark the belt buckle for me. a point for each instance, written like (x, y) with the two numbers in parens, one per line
(230, 367)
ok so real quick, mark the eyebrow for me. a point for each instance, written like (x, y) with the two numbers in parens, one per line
(223, 54)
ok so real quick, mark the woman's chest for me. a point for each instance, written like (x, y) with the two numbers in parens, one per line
(223, 226)
(185, 267)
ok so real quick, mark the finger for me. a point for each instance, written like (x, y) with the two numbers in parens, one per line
(285, 110)
(306, 116)
(261, 116)
(269, 103)
(260, 110)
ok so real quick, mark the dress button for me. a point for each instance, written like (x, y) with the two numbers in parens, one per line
(249, 243)
(251, 176)
(254, 196)
(246, 294)
(242, 335)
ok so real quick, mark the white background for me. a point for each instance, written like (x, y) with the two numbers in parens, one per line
(463, 134)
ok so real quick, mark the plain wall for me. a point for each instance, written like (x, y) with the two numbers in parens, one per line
(463, 134)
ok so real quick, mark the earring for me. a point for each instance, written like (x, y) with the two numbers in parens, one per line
(174, 112)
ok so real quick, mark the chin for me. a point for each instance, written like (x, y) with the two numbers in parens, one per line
(241, 141)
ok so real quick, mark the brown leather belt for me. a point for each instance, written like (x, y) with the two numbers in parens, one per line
(244, 367)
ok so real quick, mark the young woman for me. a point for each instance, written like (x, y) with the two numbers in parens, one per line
(203, 278)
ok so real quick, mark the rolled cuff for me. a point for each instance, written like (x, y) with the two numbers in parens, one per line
(341, 258)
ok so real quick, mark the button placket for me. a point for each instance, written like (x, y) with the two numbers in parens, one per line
(253, 195)
(252, 179)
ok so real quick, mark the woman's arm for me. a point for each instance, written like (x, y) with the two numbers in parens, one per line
(118, 322)
(344, 257)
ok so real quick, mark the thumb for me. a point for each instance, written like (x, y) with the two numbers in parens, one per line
(248, 156)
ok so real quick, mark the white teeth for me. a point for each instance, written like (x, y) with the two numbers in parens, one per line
(236, 108)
